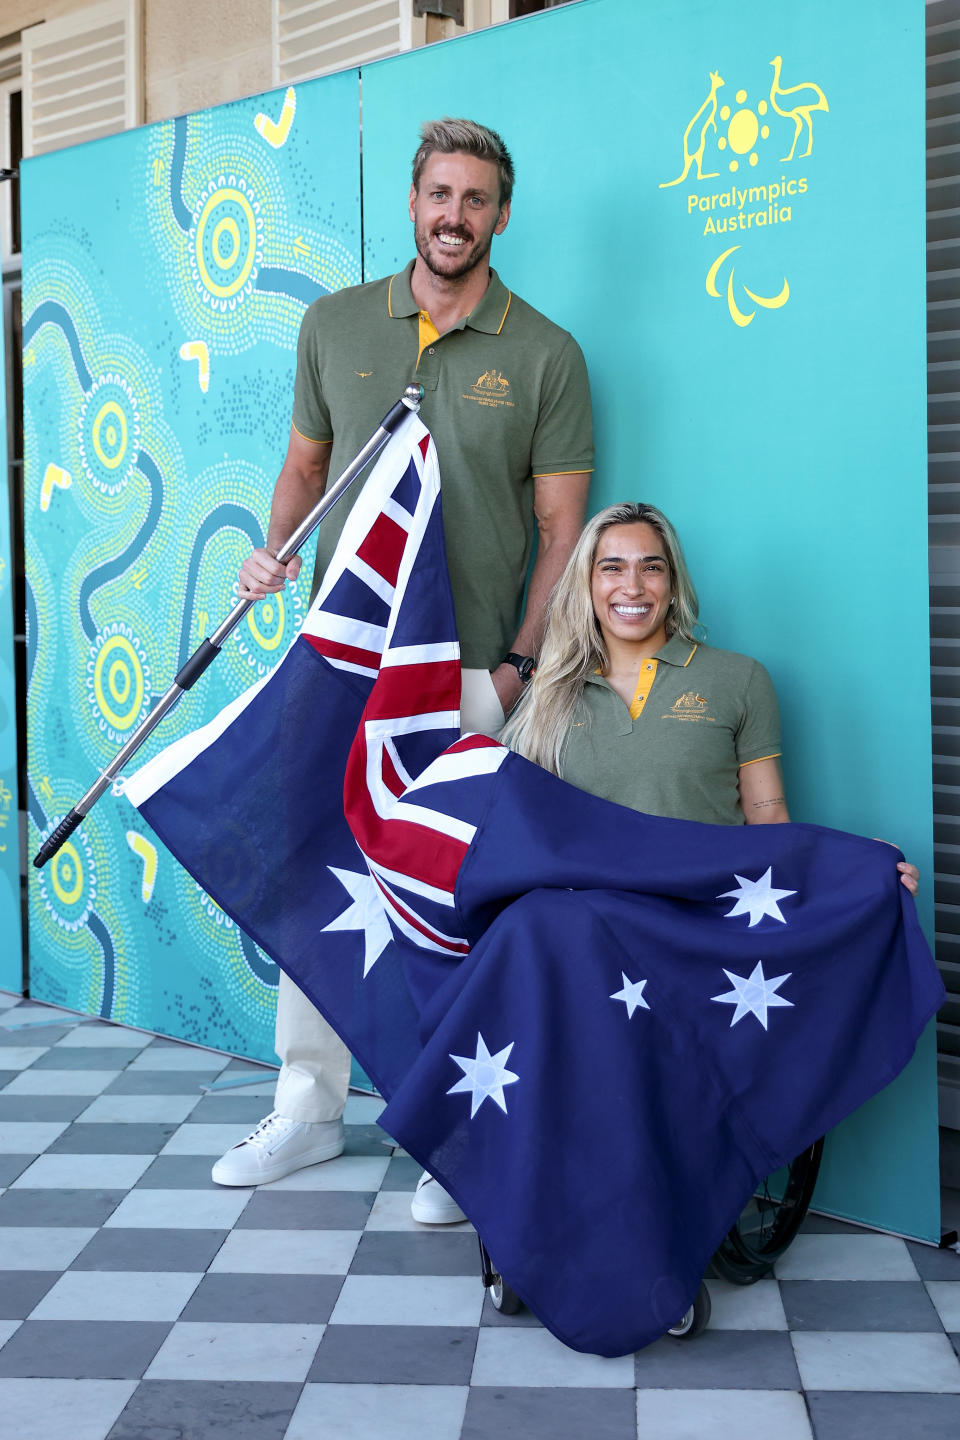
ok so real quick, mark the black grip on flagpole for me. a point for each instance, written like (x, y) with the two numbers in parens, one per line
(189, 673)
(56, 838)
(399, 412)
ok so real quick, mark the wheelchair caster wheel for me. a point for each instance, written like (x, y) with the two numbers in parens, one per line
(504, 1299)
(695, 1321)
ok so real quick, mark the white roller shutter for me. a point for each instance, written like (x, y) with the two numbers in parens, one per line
(943, 357)
(82, 76)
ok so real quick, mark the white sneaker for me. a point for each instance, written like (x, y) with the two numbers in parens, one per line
(278, 1147)
(431, 1204)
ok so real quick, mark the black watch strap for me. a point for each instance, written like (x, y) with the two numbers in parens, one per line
(523, 664)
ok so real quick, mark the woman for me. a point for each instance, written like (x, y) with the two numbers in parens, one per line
(626, 702)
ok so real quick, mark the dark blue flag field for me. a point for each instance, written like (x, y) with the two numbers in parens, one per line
(598, 1029)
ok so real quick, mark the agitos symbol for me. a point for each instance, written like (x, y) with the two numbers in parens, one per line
(738, 316)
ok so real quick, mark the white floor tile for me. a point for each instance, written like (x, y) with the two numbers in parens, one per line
(140, 1109)
(62, 1409)
(8, 998)
(212, 1140)
(179, 1057)
(721, 1414)
(945, 1295)
(209, 1350)
(409, 1300)
(42, 1247)
(846, 1257)
(7, 1328)
(286, 1252)
(391, 1211)
(347, 1172)
(514, 1356)
(746, 1307)
(103, 1036)
(39, 1014)
(379, 1412)
(852, 1360)
(117, 1295)
(18, 1057)
(60, 1082)
(181, 1209)
(28, 1137)
(83, 1172)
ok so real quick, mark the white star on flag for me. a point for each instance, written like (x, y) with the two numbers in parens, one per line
(753, 996)
(631, 995)
(365, 913)
(484, 1076)
(756, 898)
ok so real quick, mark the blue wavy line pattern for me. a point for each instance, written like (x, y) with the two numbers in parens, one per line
(225, 516)
(290, 282)
(111, 569)
(180, 212)
(50, 312)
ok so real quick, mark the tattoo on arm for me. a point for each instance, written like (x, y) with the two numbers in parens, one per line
(765, 804)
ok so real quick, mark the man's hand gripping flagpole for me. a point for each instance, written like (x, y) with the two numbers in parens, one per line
(208, 649)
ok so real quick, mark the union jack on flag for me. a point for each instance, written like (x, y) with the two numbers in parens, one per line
(649, 1051)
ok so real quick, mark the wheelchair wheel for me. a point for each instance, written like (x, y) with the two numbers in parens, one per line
(504, 1299)
(696, 1319)
(769, 1222)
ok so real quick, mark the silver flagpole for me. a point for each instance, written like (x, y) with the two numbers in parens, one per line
(208, 650)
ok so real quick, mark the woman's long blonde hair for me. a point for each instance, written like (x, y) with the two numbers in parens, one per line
(573, 645)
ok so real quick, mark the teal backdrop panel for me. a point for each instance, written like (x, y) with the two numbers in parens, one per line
(11, 953)
(725, 204)
(166, 271)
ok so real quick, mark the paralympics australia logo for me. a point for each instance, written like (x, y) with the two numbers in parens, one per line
(735, 140)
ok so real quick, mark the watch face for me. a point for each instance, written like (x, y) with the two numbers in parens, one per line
(527, 668)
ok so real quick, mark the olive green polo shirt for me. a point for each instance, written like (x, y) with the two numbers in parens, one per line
(697, 716)
(506, 399)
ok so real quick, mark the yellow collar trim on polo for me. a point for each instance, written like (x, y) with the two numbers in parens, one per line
(427, 333)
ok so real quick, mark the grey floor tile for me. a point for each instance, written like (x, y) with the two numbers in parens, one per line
(756, 1359)
(265, 1299)
(231, 1107)
(178, 1172)
(306, 1210)
(395, 1355)
(82, 1350)
(159, 1082)
(491, 1316)
(207, 1410)
(403, 1172)
(516, 1413)
(901, 1305)
(57, 1207)
(934, 1264)
(366, 1140)
(42, 1107)
(859, 1415)
(6, 1076)
(398, 1252)
(827, 1225)
(39, 1034)
(13, 1165)
(120, 1249)
(21, 1290)
(80, 1057)
(134, 1138)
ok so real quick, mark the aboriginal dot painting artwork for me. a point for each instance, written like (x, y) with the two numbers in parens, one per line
(166, 272)
(11, 962)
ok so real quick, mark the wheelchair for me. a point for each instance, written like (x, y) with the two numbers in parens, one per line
(766, 1227)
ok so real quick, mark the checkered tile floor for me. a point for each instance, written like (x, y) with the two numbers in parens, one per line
(138, 1299)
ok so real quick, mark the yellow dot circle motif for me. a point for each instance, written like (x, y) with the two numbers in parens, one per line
(109, 441)
(119, 663)
(273, 637)
(67, 874)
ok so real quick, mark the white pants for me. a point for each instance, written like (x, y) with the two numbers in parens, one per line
(315, 1063)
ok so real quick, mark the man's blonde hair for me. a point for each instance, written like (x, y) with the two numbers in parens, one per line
(464, 137)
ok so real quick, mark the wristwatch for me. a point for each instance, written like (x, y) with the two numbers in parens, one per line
(523, 664)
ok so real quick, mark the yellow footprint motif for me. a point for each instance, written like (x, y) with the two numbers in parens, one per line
(148, 854)
(275, 132)
(197, 350)
(53, 478)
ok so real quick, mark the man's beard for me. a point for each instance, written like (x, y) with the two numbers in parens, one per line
(471, 256)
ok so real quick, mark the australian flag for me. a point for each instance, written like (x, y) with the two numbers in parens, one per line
(598, 1029)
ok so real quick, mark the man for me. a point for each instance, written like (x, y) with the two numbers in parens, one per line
(507, 401)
